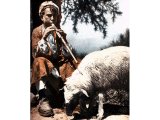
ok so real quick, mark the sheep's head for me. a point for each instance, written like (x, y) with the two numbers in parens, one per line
(71, 99)
(72, 96)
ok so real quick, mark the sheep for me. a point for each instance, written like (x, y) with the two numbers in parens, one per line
(98, 72)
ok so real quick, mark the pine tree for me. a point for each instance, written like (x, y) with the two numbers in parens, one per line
(84, 11)
(91, 11)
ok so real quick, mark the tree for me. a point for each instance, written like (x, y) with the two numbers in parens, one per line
(90, 11)
(85, 11)
(123, 40)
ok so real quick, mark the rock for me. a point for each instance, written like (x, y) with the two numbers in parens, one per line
(44, 108)
(117, 117)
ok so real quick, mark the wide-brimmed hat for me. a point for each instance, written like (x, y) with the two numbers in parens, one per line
(48, 3)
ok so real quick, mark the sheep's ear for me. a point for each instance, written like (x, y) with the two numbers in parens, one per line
(84, 92)
(75, 91)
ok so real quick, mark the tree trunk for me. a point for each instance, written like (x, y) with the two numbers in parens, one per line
(58, 3)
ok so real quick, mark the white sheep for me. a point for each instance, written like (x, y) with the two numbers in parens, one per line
(97, 73)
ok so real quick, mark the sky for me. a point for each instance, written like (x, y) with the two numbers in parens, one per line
(87, 40)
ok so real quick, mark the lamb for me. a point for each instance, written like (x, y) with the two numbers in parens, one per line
(97, 73)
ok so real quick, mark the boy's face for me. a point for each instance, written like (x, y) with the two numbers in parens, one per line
(49, 17)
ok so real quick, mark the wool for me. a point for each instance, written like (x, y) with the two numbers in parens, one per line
(99, 72)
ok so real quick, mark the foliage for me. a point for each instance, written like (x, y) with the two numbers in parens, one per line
(123, 40)
(91, 11)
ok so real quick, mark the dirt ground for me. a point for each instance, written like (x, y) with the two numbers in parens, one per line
(59, 115)
(117, 108)
(121, 113)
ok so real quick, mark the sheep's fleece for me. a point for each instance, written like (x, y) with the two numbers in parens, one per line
(98, 72)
